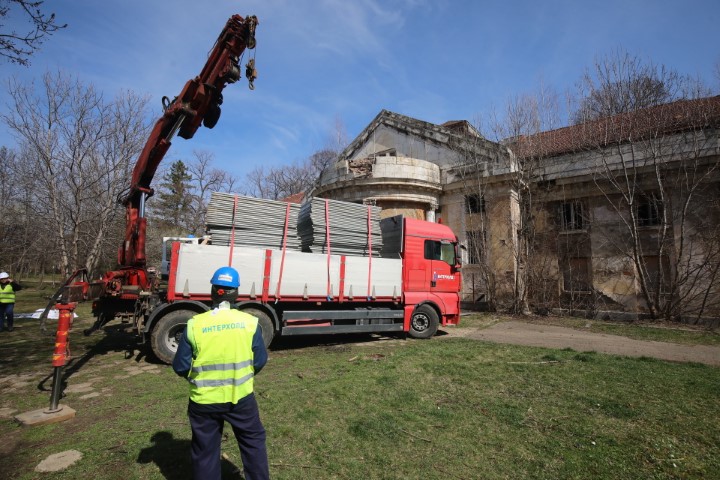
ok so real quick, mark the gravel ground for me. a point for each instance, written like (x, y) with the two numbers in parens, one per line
(522, 333)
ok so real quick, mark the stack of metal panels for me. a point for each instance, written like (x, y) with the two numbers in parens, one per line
(258, 222)
(348, 227)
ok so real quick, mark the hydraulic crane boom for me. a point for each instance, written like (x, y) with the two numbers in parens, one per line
(120, 291)
(199, 102)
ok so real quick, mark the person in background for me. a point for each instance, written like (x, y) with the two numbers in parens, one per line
(220, 353)
(8, 287)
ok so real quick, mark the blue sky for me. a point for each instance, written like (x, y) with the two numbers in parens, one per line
(323, 60)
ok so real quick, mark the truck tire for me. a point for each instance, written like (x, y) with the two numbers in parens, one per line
(167, 332)
(424, 322)
(265, 323)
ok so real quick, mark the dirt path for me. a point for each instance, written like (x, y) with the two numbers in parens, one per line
(521, 333)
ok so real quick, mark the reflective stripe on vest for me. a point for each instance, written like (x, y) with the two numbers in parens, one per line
(7, 294)
(221, 383)
(222, 369)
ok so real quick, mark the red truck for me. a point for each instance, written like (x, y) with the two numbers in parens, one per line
(299, 293)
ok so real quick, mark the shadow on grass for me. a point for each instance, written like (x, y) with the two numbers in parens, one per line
(115, 339)
(172, 456)
(334, 340)
(339, 340)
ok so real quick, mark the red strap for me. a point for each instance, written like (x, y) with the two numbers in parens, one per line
(370, 257)
(327, 242)
(232, 232)
(266, 276)
(284, 246)
(341, 290)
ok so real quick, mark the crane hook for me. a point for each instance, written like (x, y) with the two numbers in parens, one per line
(251, 73)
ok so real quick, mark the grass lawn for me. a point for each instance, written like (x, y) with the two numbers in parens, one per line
(366, 407)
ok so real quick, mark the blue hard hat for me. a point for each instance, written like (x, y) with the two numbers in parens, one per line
(226, 277)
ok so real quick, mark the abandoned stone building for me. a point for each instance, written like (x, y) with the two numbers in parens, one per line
(619, 214)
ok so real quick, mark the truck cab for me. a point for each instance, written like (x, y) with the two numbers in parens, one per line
(167, 243)
(431, 273)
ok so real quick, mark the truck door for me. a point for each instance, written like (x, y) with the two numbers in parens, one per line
(443, 277)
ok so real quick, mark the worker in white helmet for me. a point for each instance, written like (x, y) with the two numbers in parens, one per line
(8, 287)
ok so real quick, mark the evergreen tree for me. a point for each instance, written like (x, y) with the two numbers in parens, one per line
(174, 200)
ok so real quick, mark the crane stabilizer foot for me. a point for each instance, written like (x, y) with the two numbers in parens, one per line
(89, 331)
(97, 325)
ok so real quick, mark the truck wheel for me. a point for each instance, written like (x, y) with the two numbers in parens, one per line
(264, 322)
(167, 332)
(424, 322)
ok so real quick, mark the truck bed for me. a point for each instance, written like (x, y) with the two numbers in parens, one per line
(299, 275)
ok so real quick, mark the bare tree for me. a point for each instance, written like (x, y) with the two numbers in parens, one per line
(621, 83)
(301, 176)
(205, 180)
(471, 171)
(18, 45)
(651, 142)
(338, 138)
(78, 152)
(276, 183)
(657, 169)
(12, 222)
(518, 125)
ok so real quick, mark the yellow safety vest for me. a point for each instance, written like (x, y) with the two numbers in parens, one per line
(222, 368)
(7, 294)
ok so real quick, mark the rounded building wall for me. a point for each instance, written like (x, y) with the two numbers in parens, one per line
(399, 185)
(381, 167)
(391, 208)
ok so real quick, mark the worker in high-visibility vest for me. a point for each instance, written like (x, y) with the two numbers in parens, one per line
(8, 287)
(220, 353)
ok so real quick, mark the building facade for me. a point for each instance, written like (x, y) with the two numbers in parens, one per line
(615, 215)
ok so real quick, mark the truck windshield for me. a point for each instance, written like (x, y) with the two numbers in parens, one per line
(167, 250)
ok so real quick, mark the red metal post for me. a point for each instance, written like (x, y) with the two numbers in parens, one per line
(62, 350)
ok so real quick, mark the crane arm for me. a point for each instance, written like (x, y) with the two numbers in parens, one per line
(198, 103)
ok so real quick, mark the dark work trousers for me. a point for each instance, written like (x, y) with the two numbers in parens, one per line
(6, 312)
(207, 428)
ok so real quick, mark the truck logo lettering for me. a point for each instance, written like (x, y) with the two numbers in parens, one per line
(437, 277)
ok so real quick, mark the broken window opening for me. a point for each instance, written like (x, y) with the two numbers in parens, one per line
(474, 203)
(572, 216)
(649, 211)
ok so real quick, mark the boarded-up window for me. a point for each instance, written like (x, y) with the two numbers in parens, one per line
(576, 274)
(474, 245)
(658, 272)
